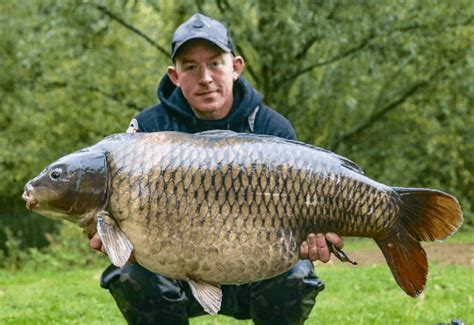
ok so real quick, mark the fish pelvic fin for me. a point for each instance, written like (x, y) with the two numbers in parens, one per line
(429, 215)
(425, 215)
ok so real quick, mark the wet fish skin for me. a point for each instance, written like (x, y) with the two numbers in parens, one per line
(207, 197)
(233, 208)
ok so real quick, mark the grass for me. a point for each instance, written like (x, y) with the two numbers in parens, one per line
(353, 295)
(369, 295)
(45, 297)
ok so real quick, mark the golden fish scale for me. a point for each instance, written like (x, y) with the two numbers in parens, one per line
(234, 210)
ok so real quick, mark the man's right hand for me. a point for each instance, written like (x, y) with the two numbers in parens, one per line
(96, 243)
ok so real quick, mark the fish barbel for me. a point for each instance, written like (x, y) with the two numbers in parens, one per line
(225, 208)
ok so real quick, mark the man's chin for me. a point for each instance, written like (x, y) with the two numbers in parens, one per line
(210, 111)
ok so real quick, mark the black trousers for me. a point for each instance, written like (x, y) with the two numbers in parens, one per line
(144, 297)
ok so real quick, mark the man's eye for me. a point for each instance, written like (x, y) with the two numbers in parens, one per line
(190, 68)
(216, 64)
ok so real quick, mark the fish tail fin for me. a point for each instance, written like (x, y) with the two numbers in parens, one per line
(407, 261)
(429, 215)
(425, 215)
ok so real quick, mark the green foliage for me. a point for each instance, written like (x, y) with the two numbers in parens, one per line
(388, 84)
(14, 256)
(67, 249)
(28, 229)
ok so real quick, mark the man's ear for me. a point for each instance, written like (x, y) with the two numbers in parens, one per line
(238, 65)
(173, 75)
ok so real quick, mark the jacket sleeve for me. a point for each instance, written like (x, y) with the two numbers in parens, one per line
(271, 122)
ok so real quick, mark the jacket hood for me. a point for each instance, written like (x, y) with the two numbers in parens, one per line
(246, 98)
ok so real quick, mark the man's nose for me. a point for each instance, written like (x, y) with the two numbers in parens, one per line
(205, 76)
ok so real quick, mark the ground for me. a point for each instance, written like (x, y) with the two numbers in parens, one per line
(443, 254)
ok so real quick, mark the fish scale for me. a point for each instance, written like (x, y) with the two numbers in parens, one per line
(221, 207)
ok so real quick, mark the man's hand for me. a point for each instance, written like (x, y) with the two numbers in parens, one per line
(96, 243)
(315, 248)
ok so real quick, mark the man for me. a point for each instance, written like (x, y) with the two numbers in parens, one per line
(203, 90)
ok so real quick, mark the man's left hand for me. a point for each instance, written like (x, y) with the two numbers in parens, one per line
(315, 248)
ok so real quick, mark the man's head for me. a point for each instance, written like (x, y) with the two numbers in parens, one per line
(205, 67)
(201, 27)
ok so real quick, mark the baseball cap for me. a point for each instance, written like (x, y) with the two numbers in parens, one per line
(202, 27)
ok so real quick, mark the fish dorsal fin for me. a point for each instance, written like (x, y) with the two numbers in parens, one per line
(347, 163)
(216, 133)
(117, 245)
(208, 295)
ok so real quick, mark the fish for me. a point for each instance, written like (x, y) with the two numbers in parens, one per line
(220, 207)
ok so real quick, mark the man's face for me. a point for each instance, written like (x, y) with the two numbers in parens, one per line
(206, 77)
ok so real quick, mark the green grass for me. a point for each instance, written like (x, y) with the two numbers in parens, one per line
(369, 295)
(45, 297)
(353, 295)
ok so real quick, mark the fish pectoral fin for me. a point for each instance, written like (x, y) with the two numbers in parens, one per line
(117, 245)
(208, 295)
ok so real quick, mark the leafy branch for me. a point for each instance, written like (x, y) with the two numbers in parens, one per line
(362, 44)
(379, 114)
(314, 38)
(467, 22)
(130, 27)
(337, 57)
(114, 97)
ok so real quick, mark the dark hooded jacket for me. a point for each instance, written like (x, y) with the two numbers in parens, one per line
(248, 114)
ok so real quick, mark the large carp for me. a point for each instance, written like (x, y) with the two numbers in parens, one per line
(225, 208)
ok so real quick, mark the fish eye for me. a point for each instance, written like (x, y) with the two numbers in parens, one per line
(55, 174)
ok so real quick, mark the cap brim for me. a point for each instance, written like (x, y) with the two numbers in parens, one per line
(214, 42)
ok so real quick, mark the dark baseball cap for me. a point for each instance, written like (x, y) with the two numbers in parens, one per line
(200, 26)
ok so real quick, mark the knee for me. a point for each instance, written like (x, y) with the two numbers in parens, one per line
(287, 298)
(144, 297)
(292, 287)
(129, 275)
(134, 280)
(302, 275)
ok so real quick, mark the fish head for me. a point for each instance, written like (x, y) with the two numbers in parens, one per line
(69, 187)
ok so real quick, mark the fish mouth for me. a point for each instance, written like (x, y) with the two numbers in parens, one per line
(31, 201)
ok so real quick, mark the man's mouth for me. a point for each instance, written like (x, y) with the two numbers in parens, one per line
(208, 92)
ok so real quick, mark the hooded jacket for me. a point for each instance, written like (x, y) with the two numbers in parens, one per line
(248, 114)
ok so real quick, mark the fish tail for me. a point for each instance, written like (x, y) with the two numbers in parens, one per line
(425, 215)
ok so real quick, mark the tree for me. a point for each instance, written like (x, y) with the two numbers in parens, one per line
(387, 84)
